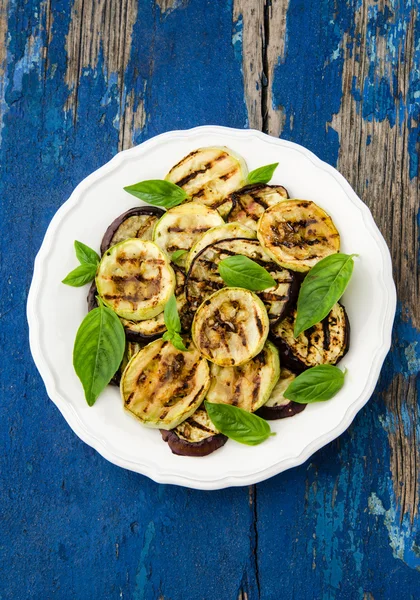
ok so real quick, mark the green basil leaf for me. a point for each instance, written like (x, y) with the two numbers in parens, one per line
(241, 271)
(158, 192)
(80, 275)
(85, 255)
(315, 385)
(262, 174)
(177, 255)
(322, 287)
(98, 350)
(171, 316)
(175, 339)
(238, 424)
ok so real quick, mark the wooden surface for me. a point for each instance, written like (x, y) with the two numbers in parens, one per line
(81, 80)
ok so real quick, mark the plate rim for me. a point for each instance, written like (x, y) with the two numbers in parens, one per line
(228, 480)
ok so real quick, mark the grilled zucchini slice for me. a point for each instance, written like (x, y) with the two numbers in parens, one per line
(135, 279)
(209, 175)
(297, 234)
(150, 329)
(248, 386)
(197, 436)
(277, 406)
(226, 231)
(181, 226)
(163, 386)
(251, 201)
(230, 327)
(137, 222)
(203, 277)
(324, 343)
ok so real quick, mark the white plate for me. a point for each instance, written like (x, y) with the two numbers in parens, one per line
(55, 312)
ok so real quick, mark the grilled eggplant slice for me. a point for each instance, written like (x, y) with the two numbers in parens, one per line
(197, 436)
(138, 222)
(230, 327)
(248, 386)
(163, 386)
(209, 175)
(150, 329)
(203, 277)
(251, 201)
(226, 231)
(297, 234)
(182, 226)
(324, 343)
(277, 406)
(135, 279)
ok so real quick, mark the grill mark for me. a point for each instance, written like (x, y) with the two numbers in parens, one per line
(193, 175)
(228, 175)
(199, 426)
(327, 337)
(176, 229)
(130, 397)
(319, 240)
(183, 160)
(236, 393)
(137, 277)
(195, 397)
(242, 333)
(256, 389)
(272, 297)
(259, 322)
(259, 201)
(121, 259)
(123, 297)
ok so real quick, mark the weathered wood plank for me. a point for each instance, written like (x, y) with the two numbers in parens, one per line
(358, 69)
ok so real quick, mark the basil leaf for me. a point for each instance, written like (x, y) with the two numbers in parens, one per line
(315, 385)
(238, 424)
(177, 255)
(98, 350)
(173, 325)
(86, 255)
(241, 271)
(80, 275)
(322, 287)
(158, 192)
(175, 339)
(262, 174)
(171, 316)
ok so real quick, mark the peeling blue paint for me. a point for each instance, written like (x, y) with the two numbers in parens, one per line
(400, 533)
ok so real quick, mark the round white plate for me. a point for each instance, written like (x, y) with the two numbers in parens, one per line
(55, 311)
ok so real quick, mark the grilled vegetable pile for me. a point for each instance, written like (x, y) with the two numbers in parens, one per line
(217, 308)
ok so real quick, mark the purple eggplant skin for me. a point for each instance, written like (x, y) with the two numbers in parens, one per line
(183, 448)
(272, 413)
(137, 210)
(91, 297)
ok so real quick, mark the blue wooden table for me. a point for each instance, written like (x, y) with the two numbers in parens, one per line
(80, 80)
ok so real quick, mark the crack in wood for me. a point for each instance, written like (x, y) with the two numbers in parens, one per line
(374, 158)
(96, 26)
(263, 46)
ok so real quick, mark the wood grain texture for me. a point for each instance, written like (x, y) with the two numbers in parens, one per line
(96, 28)
(80, 81)
(375, 158)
